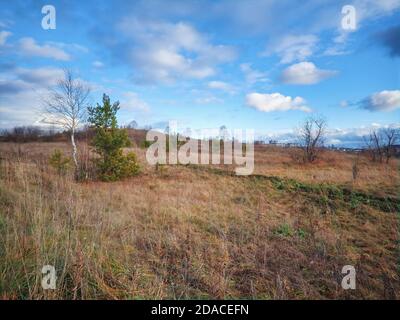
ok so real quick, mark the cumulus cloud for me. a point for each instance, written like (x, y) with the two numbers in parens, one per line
(18, 80)
(29, 47)
(165, 52)
(305, 73)
(293, 48)
(21, 108)
(275, 102)
(21, 93)
(46, 76)
(251, 75)
(386, 100)
(9, 87)
(3, 37)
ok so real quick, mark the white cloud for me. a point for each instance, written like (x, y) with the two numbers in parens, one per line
(22, 80)
(29, 47)
(132, 101)
(3, 37)
(385, 100)
(46, 76)
(21, 94)
(293, 48)
(22, 91)
(345, 137)
(374, 9)
(70, 46)
(305, 73)
(208, 99)
(223, 86)
(22, 108)
(336, 50)
(275, 102)
(251, 75)
(164, 52)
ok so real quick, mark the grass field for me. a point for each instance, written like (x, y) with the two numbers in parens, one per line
(284, 232)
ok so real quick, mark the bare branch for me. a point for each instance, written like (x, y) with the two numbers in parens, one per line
(311, 137)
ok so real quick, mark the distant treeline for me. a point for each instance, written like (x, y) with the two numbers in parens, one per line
(37, 134)
(23, 134)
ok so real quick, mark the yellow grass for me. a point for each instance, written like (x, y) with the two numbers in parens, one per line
(195, 232)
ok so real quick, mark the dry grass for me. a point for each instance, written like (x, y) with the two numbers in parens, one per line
(195, 232)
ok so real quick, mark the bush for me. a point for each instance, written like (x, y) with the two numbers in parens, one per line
(117, 166)
(59, 162)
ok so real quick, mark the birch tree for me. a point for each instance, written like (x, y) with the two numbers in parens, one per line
(66, 107)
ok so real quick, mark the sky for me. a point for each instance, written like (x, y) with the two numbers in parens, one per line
(253, 64)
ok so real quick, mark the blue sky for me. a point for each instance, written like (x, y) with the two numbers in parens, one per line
(264, 65)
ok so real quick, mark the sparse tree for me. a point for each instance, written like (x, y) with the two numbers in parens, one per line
(380, 143)
(66, 107)
(312, 135)
(391, 136)
(375, 145)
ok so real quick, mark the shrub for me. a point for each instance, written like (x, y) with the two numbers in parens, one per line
(284, 230)
(59, 162)
(118, 166)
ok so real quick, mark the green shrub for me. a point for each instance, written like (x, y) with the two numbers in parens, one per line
(59, 162)
(284, 230)
(117, 166)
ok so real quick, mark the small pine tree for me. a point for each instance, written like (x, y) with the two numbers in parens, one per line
(109, 141)
(59, 162)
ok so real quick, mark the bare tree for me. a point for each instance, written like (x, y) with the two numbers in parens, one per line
(312, 135)
(390, 135)
(374, 145)
(380, 143)
(66, 107)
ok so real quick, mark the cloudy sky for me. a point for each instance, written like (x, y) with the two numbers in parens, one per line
(260, 64)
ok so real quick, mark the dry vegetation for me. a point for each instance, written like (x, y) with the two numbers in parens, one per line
(199, 232)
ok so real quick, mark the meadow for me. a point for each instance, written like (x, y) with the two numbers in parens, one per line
(194, 232)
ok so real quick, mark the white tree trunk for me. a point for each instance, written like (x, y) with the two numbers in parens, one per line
(74, 151)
